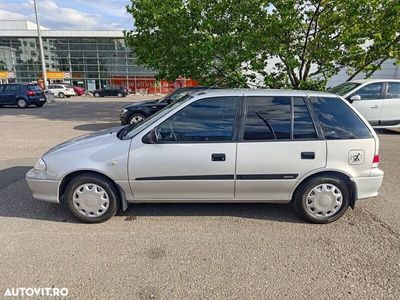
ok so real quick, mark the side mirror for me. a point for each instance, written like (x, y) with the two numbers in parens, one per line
(354, 98)
(151, 137)
(169, 100)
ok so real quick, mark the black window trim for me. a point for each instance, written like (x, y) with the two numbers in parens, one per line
(237, 122)
(314, 120)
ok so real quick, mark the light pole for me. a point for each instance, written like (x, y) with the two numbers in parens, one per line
(44, 75)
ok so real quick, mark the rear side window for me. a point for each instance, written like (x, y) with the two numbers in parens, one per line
(393, 90)
(268, 118)
(12, 89)
(338, 121)
(303, 126)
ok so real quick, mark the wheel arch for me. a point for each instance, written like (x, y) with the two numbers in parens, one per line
(346, 178)
(122, 203)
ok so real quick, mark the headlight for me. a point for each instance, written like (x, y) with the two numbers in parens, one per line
(40, 165)
(124, 110)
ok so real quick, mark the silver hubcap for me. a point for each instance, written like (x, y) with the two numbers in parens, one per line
(324, 200)
(91, 200)
(21, 103)
(136, 119)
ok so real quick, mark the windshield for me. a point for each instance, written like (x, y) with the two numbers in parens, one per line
(130, 131)
(343, 88)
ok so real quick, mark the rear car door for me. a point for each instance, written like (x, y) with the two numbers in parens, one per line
(279, 144)
(371, 101)
(390, 113)
(194, 157)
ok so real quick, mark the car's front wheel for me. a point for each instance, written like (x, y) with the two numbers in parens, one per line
(22, 103)
(322, 199)
(61, 95)
(97, 95)
(136, 118)
(119, 95)
(91, 198)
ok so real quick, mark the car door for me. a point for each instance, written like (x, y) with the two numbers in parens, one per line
(371, 101)
(390, 112)
(2, 97)
(10, 93)
(194, 157)
(278, 145)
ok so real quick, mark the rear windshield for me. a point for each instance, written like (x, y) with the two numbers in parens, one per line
(338, 120)
(35, 88)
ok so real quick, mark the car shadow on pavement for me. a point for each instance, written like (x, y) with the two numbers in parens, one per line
(96, 126)
(387, 131)
(16, 201)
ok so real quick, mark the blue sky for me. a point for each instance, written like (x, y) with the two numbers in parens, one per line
(70, 14)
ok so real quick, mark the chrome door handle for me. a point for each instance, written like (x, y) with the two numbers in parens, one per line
(375, 106)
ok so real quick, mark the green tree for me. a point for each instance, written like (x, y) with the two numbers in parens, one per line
(291, 43)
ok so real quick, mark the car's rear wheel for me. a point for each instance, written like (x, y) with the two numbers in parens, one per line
(39, 104)
(91, 198)
(120, 95)
(322, 199)
(22, 103)
(97, 95)
(61, 95)
(136, 118)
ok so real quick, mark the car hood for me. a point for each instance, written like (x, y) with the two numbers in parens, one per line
(88, 140)
(141, 103)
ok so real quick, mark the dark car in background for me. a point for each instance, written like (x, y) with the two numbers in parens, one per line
(137, 112)
(22, 95)
(111, 90)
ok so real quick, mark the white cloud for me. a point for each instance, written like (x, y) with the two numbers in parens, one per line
(55, 16)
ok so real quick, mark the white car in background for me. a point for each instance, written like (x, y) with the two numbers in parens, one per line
(61, 90)
(378, 100)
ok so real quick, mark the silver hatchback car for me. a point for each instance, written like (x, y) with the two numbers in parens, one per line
(309, 148)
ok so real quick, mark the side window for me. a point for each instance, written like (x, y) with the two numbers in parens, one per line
(12, 89)
(207, 120)
(338, 121)
(303, 126)
(393, 90)
(370, 92)
(268, 118)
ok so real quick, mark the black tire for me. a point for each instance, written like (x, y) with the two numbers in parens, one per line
(68, 96)
(39, 104)
(99, 180)
(120, 95)
(97, 95)
(61, 95)
(135, 115)
(22, 103)
(301, 194)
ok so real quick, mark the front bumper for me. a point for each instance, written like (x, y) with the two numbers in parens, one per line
(42, 189)
(124, 117)
(369, 186)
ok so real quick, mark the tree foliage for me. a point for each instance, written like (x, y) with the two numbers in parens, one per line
(290, 43)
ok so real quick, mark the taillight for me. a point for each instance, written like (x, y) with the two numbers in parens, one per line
(30, 93)
(375, 161)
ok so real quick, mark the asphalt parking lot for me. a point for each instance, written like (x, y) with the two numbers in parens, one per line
(186, 251)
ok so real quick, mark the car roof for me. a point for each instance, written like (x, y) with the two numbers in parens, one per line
(265, 92)
(361, 81)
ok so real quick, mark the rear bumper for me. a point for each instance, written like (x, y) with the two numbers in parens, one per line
(43, 189)
(369, 186)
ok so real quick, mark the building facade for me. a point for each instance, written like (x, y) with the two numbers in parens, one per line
(91, 59)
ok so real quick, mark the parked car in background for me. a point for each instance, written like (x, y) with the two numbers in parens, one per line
(310, 148)
(79, 91)
(111, 90)
(21, 95)
(139, 111)
(378, 100)
(61, 90)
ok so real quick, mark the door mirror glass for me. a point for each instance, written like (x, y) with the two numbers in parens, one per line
(151, 137)
(354, 98)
